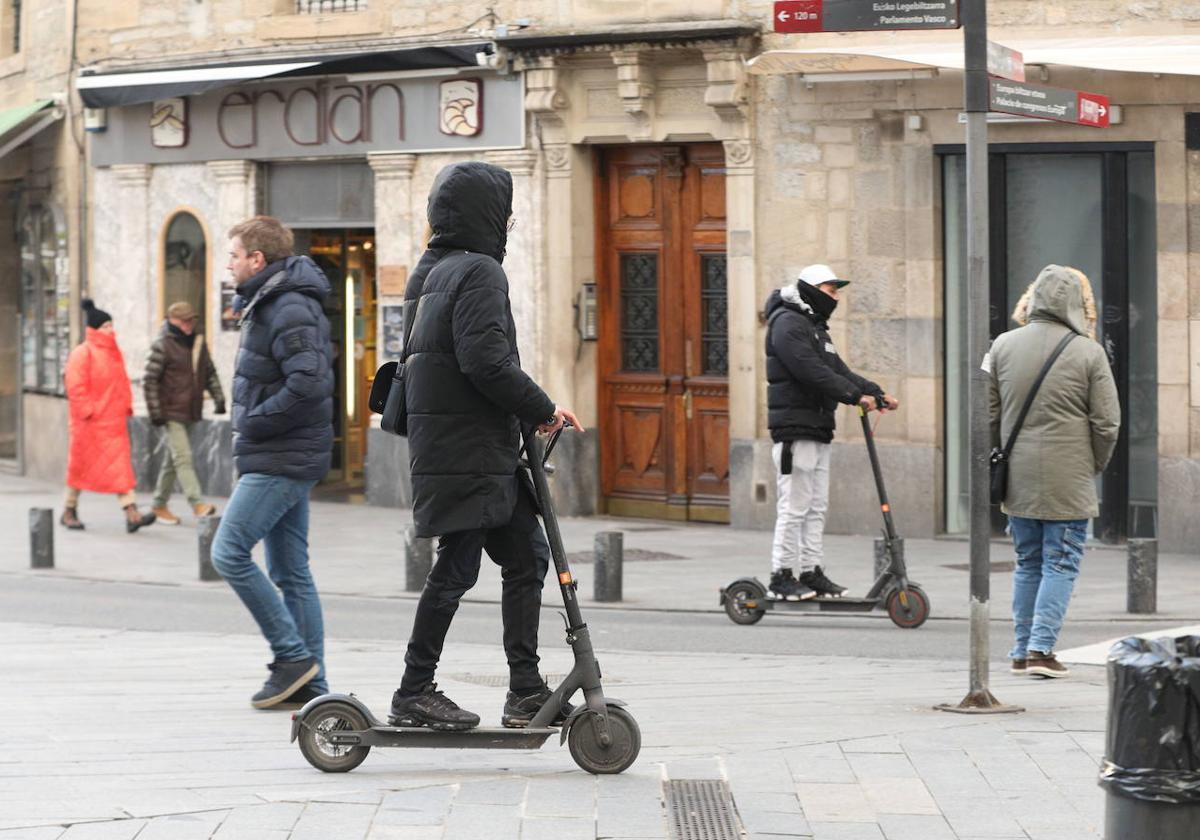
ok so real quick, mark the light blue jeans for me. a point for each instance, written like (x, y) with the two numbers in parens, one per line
(274, 509)
(1048, 557)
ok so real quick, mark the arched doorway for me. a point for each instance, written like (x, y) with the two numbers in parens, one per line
(185, 266)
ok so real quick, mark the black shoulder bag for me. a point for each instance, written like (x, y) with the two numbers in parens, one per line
(999, 457)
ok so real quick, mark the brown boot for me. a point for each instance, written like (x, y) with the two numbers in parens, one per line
(1019, 667)
(135, 520)
(164, 515)
(70, 519)
(1044, 665)
(204, 509)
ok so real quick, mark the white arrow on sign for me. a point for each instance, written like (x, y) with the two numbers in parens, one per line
(1103, 110)
(783, 16)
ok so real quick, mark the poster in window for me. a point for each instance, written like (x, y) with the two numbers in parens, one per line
(461, 107)
(391, 330)
(229, 317)
(169, 123)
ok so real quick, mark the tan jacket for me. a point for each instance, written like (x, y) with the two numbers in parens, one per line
(1071, 429)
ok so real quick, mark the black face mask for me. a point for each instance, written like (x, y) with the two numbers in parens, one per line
(821, 303)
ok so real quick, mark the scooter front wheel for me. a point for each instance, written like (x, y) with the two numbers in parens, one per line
(315, 743)
(738, 600)
(908, 615)
(583, 739)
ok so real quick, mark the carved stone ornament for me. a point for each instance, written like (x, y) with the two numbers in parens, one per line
(558, 156)
(739, 152)
(635, 89)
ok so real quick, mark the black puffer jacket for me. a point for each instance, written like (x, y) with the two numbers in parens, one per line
(283, 379)
(806, 378)
(467, 395)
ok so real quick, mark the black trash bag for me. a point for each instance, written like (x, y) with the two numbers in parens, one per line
(1153, 745)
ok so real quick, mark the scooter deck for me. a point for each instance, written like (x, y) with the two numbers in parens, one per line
(417, 737)
(816, 605)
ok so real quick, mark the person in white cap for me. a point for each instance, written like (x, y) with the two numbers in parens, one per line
(806, 379)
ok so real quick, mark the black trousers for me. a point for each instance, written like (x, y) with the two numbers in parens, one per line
(520, 549)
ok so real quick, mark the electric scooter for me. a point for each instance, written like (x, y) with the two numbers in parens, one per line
(746, 602)
(337, 731)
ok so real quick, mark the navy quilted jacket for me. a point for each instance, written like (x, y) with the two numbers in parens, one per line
(283, 380)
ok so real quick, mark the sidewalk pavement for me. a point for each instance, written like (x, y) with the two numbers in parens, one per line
(127, 735)
(359, 550)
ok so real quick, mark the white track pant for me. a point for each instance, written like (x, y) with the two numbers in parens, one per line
(800, 509)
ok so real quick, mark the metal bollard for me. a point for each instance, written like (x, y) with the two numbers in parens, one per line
(609, 554)
(1142, 576)
(418, 560)
(41, 538)
(207, 533)
(882, 561)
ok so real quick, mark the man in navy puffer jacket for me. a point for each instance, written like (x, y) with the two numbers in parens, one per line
(282, 442)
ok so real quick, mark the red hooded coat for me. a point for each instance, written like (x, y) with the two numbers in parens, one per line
(100, 400)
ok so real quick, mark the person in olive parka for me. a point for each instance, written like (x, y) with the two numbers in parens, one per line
(468, 405)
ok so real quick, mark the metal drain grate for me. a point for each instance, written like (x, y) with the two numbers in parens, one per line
(701, 809)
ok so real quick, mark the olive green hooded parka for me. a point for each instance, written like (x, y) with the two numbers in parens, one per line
(1072, 426)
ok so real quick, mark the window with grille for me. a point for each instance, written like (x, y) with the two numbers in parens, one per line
(639, 312)
(45, 297)
(10, 25)
(317, 7)
(714, 314)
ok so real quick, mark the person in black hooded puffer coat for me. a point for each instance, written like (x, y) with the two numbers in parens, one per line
(468, 405)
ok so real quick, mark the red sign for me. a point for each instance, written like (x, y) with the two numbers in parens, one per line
(798, 16)
(1093, 109)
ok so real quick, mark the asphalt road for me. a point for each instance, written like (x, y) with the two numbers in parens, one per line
(195, 609)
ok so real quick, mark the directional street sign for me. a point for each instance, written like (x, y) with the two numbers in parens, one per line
(1049, 103)
(1005, 62)
(864, 15)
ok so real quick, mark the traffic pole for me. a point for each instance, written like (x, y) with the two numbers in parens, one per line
(976, 92)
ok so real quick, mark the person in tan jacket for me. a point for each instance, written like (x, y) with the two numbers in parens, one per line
(1066, 441)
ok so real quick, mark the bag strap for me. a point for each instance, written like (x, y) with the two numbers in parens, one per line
(1012, 436)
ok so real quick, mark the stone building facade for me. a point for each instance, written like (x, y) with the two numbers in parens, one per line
(674, 163)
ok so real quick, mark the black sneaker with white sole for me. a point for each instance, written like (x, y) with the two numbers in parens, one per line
(823, 586)
(286, 679)
(297, 700)
(431, 708)
(521, 706)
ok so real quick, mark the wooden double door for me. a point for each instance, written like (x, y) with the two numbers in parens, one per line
(663, 332)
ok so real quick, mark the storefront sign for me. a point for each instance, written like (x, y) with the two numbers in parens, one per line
(329, 116)
(1049, 103)
(864, 15)
(392, 280)
(1005, 62)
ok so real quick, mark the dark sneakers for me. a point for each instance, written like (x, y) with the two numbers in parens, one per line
(430, 708)
(521, 706)
(1044, 665)
(822, 585)
(286, 679)
(297, 700)
(785, 587)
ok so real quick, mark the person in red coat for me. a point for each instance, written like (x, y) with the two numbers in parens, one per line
(100, 401)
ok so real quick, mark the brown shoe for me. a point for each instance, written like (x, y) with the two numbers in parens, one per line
(165, 516)
(70, 519)
(1044, 665)
(204, 509)
(135, 520)
(1018, 667)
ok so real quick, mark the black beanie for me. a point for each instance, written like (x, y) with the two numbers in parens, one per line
(96, 318)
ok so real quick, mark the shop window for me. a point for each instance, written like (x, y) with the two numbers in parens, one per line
(45, 300)
(185, 265)
(320, 7)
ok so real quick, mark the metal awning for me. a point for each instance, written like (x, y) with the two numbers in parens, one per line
(24, 121)
(1168, 55)
(132, 86)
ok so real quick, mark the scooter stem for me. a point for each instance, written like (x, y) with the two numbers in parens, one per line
(884, 506)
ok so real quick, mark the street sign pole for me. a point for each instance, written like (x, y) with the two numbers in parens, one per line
(976, 92)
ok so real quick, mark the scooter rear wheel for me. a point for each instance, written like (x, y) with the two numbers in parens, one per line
(583, 739)
(918, 607)
(736, 598)
(314, 740)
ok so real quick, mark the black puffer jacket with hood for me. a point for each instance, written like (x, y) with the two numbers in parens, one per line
(467, 396)
(283, 378)
(806, 378)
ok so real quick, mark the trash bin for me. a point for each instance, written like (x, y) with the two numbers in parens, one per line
(1151, 767)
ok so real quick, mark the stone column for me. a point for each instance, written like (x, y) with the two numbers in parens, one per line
(135, 315)
(522, 262)
(395, 239)
(236, 202)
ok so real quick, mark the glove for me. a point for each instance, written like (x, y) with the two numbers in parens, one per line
(219, 408)
(158, 421)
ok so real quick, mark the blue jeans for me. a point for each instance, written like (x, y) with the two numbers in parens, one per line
(274, 509)
(1048, 556)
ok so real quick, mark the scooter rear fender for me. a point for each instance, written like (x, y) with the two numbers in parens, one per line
(314, 704)
(752, 580)
(582, 710)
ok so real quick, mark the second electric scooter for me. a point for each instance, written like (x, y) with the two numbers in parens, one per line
(746, 602)
(337, 731)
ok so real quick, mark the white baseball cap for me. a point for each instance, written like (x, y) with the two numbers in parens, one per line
(815, 275)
